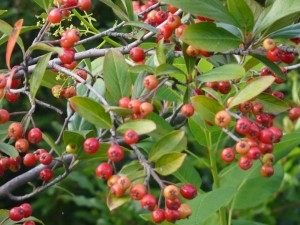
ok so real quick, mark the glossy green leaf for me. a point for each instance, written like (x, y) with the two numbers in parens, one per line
(142, 25)
(49, 79)
(141, 69)
(133, 170)
(226, 72)
(187, 174)
(174, 141)
(8, 150)
(206, 107)
(160, 55)
(114, 202)
(291, 31)
(242, 13)
(272, 66)
(166, 69)
(116, 9)
(38, 73)
(207, 36)
(169, 163)
(168, 94)
(204, 65)
(162, 126)
(250, 63)
(205, 205)
(129, 9)
(272, 104)
(92, 111)
(255, 7)
(281, 9)
(140, 126)
(213, 9)
(213, 93)
(116, 76)
(48, 139)
(119, 110)
(45, 47)
(43, 4)
(73, 137)
(251, 90)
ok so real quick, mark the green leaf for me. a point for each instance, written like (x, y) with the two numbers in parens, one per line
(43, 4)
(213, 93)
(245, 222)
(119, 110)
(142, 25)
(166, 93)
(272, 104)
(174, 141)
(291, 31)
(116, 9)
(167, 69)
(213, 9)
(187, 174)
(129, 9)
(45, 47)
(251, 90)
(281, 9)
(116, 76)
(169, 163)
(133, 170)
(204, 65)
(242, 14)
(92, 111)
(207, 36)
(141, 68)
(73, 137)
(226, 72)
(205, 205)
(272, 66)
(206, 107)
(140, 126)
(162, 126)
(8, 150)
(160, 56)
(114, 202)
(38, 73)
(255, 7)
(49, 79)
(2, 11)
(51, 143)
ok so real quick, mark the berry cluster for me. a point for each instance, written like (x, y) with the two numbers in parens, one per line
(5, 88)
(20, 212)
(223, 87)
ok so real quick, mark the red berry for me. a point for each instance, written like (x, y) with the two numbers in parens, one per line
(165, 31)
(242, 126)
(2, 81)
(245, 162)
(187, 110)
(124, 182)
(123, 102)
(222, 118)
(16, 214)
(254, 153)
(188, 191)
(158, 215)
(117, 191)
(22, 145)
(104, 171)
(179, 31)
(274, 55)
(29, 160)
(173, 21)
(35, 136)
(4, 163)
(173, 204)
(4, 116)
(91, 145)
(15, 161)
(228, 155)
(15, 131)
(137, 54)
(46, 174)
(67, 56)
(172, 9)
(245, 107)
(172, 215)
(212, 85)
(55, 16)
(45, 158)
(148, 202)
(69, 3)
(253, 132)
(38, 153)
(70, 92)
(115, 153)
(82, 74)
(192, 52)
(287, 57)
(242, 147)
(134, 105)
(278, 94)
(267, 170)
(138, 191)
(84, 4)
(224, 87)
(150, 82)
(12, 97)
(160, 17)
(29, 223)
(265, 148)
(264, 119)
(27, 209)
(266, 136)
(146, 108)
(294, 113)
(131, 137)
(257, 108)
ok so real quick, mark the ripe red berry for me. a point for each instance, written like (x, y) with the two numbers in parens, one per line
(67, 56)
(123, 102)
(55, 16)
(173, 21)
(165, 31)
(35, 136)
(38, 153)
(29, 223)
(179, 31)
(278, 94)
(12, 97)
(82, 74)
(287, 57)
(45, 158)
(264, 119)
(91, 145)
(124, 182)
(72, 35)
(257, 108)
(277, 134)
(134, 105)
(184, 211)
(267, 170)
(192, 52)
(84, 5)
(224, 87)
(15, 161)
(160, 17)
(148, 202)
(187, 110)
(265, 148)
(146, 108)
(113, 180)
(245, 162)
(22, 145)
(242, 126)
(138, 191)
(222, 118)
(4, 116)
(158, 215)
(104, 171)
(117, 191)
(131, 137)
(27, 209)
(70, 92)
(188, 191)
(228, 155)
(15, 131)
(172, 215)
(115, 153)
(294, 113)
(16, 214)
(173, 204)
(253, 132)
(137, 54)
(69, 3)
(172, 9)
(46, 174)
(266, 136)
(29, 160)
(245, 107)
(150, 82)
(274, 55)
(242, 147)
(254, 153)
(212, 85)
